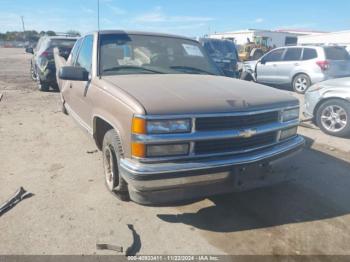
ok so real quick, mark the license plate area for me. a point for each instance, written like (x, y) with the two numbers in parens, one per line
(251, 176)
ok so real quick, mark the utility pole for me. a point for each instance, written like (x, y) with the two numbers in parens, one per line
(22, 19)
(98, 15)
(24, 30)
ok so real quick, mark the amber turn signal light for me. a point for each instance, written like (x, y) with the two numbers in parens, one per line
(138, 126)
(138, 150)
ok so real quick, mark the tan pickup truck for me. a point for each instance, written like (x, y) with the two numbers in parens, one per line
(169, 126)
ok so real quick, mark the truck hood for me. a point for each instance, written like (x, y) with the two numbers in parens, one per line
(186, 94)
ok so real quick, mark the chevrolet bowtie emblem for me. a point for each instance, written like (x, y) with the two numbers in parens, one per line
(247, 133)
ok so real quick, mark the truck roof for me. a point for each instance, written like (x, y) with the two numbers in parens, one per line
(128, 32)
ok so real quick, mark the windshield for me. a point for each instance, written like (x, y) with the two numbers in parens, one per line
(144, 54)
(221, 48)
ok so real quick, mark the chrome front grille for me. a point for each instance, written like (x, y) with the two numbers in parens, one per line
(238, 144)
(215, 135)
(234, 122)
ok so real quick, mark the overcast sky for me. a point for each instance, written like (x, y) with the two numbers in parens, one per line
(187, 17)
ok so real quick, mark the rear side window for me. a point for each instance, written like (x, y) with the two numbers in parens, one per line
(336, 53)
(275, 55)
(85, 55)
(292, 54)
(309, 53)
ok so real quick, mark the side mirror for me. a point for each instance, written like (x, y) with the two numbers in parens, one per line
(73, 73)
(262, 61)
(29, 50)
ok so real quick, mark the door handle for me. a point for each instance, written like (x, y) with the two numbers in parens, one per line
(296, 64)
(70, 85)
(274, 65)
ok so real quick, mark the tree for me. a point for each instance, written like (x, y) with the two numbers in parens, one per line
(73, 32)
(50, 33)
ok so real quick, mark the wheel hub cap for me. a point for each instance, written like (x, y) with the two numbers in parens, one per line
(109, 168)
(301, 84)
(334, 118)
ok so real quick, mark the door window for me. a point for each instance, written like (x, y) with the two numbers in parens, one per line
(85, 55)
(275, 55)
(75, 51)
(309, 53)
(292, 54)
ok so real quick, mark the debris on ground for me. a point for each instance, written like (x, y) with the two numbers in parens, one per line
(20, 194)
(136, 243)
(109, 247)
(132, 250)
(92, 151)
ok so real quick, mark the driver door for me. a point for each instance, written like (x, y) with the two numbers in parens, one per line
(79, 90)
(267, 67)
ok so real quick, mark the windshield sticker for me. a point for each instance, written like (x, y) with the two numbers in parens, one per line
(192, 50)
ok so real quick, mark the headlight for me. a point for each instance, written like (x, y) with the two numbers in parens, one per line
(290, 114)
(287, 133)
(167, 150)
(142, 126)
(314, 88)
(168, 126)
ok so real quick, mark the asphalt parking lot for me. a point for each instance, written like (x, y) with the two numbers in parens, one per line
(44, 151)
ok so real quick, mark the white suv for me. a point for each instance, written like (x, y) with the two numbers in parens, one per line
(302, 66)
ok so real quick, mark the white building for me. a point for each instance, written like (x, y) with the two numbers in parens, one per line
(274, 38)
(341, 38)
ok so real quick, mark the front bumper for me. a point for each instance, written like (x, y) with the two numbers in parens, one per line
(168, 182)
(311, 100)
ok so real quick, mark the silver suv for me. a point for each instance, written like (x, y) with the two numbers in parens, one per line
(302, 66)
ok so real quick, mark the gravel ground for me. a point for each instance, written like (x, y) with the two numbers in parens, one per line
(45, 152)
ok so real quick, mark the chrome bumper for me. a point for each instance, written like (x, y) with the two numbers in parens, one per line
(162, 176)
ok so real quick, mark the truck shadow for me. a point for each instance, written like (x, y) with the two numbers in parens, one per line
(319, 191)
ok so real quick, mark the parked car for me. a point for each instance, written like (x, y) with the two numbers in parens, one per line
(299, 66)
(328, 105)
(169, 126)
(223, 53)
(42, 65)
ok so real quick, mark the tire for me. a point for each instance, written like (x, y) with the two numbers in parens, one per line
(33, 74)
(64, 109)
(42, 86)
(333, 117)
(111, 154)
(301, 83)
(246, 76)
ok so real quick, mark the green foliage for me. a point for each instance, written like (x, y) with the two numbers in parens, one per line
(31, 36)
(73, 33)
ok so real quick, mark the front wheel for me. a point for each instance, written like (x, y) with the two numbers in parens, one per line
(111, 150)
(42, 86)
(33, 74)
(332, 117)
(301, 83)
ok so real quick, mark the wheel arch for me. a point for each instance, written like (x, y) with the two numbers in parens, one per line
(295, 74)
(100, 127)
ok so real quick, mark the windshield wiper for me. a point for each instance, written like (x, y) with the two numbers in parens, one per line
(117, 68)
(192, 69)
